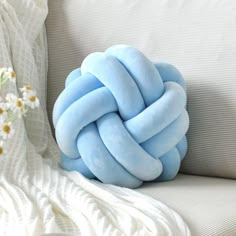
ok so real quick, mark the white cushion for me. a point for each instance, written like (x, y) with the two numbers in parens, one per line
(198, 37)
(207, 204)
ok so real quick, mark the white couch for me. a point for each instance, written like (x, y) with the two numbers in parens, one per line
(76, 28)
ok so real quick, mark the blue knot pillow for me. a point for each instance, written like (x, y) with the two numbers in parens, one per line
(122, 118)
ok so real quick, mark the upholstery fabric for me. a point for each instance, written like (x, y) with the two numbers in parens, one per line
(198, 37)
(121, 115)
(207, 204)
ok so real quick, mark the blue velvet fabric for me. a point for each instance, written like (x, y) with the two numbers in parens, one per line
(122, 118)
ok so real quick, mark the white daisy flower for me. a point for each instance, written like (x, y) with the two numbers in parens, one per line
(3, 112)
(31, 99)
(18, 107)
(12, 75)
(11, 97)
(6, 130)
(2, 149)
(26, 88)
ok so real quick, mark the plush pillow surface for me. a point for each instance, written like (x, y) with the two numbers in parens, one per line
(122, 118)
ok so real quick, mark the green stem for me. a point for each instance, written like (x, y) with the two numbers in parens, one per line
(4, 80)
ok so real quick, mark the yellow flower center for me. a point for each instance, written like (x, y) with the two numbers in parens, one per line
(13, 74)
(1, 150)
(19, 103)
(28, 87)
(1, 111)
(6, 129)
(32, 98)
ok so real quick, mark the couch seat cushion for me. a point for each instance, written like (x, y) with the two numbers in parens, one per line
(207, 204)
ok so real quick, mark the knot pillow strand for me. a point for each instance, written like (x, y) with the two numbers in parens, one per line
(122, 118)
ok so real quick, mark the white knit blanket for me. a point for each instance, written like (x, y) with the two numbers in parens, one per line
(36, 197)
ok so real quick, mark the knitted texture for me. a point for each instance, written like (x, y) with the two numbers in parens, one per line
(125, 116)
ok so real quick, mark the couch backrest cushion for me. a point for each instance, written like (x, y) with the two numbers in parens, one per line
(198, 37)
